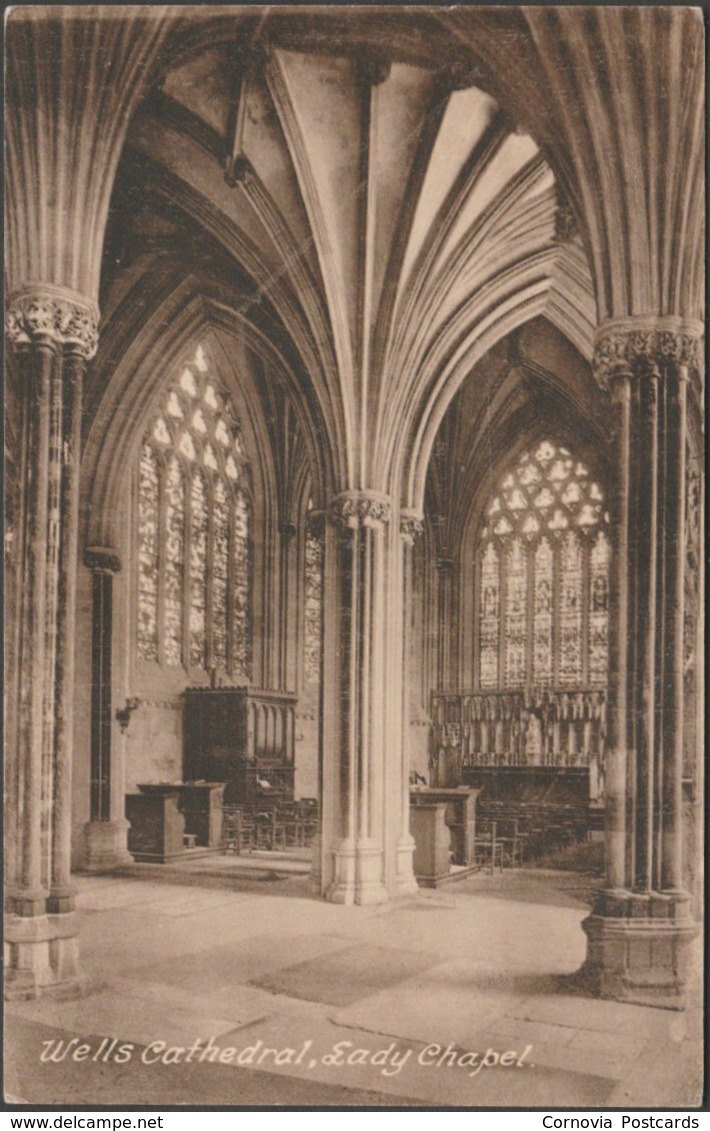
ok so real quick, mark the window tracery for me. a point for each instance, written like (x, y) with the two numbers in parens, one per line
(313, 599)
(194, 529)
(543, 577)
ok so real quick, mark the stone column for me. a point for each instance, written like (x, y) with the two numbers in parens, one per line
(693, 680)
(640, 928)
(313, 665)
(64, 139)
(287, 531)
(53, 331)
(356, 632)
(445, 604)
(616, 752)
(411, 525)
(105, 833)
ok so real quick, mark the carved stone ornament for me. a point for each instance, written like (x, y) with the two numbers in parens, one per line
(102, 560)
(566, 226)
(244, 303)
(355, 509)
(240, 171)
(53, 314)
(315, 521)
(252, 57)
(460, 76)
(374, 69)
(287, 530)
(411, 525)
(622, 344)
(692, 524)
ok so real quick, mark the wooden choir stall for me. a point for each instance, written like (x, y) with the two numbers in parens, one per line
(238, 748)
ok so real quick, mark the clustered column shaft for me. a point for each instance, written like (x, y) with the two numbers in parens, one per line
(365, 853)
(641, 922)
(54, 334)
(411, 527)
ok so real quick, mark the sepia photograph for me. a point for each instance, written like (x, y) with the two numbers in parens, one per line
(354, 557)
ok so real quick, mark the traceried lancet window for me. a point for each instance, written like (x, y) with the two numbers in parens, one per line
(314, 599)
(543, 578)
(194, 520)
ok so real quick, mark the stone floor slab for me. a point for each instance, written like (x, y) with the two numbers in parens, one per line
(345, 976)
(602, 1016)
(429, 1007)
(136, 1019)
(474, 969)
(243, 961)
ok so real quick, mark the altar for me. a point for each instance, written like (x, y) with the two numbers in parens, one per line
(166, 814)
(433, 811)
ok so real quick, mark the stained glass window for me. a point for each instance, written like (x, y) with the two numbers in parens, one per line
(198, 569)
(542, 614)
(174, 562)
(570, 632)
(599, 610)
(314, 602)
(490, 617)
(194, 529)
(241, 636)
(515, 614)
(220, 575)
(543, 577)
(148, 510)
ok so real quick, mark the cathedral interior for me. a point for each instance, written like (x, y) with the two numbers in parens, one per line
(354, 469)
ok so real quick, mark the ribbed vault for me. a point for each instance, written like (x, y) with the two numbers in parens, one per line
(614, 96)
(387, 212)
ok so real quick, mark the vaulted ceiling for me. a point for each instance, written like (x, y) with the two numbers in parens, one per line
(382, 193)
(615, 95)
(384, 211)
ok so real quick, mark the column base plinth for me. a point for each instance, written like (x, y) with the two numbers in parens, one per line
(406, 883)
(61, 900)
(25, 902)
(105, 846)
(637, 958)
(315, 879)
(358, 874)
(41, 956)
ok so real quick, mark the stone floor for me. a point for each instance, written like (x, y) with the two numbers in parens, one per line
(335, 1006)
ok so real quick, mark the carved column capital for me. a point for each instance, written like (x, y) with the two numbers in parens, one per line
(287, 530)
(52, 315)
(355, 509)
(411, 525)
(102, 560)
(634, 346)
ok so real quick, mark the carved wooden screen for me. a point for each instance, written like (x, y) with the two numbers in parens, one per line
(194, 519)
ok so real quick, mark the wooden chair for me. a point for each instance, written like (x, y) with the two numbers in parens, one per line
(270, 831)
(488, 847)
(309, 817)
(513, 842)
(291, 817)
(238, 830)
